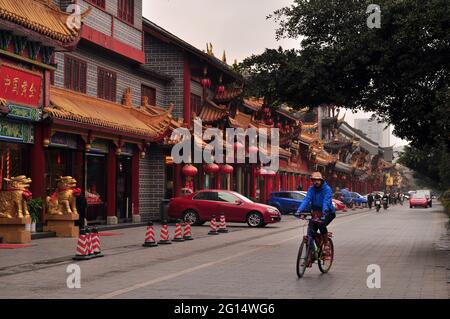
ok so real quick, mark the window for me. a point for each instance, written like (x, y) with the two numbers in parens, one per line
(297, 196)
(98, 3)
(150, 93)
(106, 85)
(196, 104)
(206, 196)
(75, 74)
(126, 10)
(226, 197)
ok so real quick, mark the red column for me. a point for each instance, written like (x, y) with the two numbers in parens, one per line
(187, 92)
(305, 185)
(269, 188)
(253, 190)
(218, 181)
(284, 182)
(38, 164)
(135, 182)
(112, 183)
(277, 182)
(178, 180)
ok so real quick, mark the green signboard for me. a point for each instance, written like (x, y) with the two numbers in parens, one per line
(24, 113)
(16, 132)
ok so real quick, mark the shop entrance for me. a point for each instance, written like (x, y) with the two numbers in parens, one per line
(124, 202)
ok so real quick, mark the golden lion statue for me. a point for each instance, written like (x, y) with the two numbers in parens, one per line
(13, 200)
(62, 201)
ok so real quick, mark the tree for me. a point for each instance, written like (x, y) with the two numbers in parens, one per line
(430, 164)
(399, 71)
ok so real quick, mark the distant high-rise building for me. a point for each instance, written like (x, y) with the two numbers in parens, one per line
(378, 132)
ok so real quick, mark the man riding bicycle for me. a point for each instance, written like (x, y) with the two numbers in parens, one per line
(319, 197)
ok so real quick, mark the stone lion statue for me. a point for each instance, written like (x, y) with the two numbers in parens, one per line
(13, 200)
(63, 200)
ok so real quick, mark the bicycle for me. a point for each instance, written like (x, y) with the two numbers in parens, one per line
(325, 255)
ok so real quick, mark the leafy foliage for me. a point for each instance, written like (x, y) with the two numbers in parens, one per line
(35, 208)
(431, 165)
(399, 71)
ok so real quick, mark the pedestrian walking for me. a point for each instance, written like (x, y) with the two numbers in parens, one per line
(370, 200)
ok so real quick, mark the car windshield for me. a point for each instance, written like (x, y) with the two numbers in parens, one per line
(418, 195)
(245, 199)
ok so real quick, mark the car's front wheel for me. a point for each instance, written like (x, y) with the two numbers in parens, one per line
(255, 219)
(190, 216)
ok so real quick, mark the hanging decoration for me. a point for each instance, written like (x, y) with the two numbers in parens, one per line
(205, 82)
(226, 169)
(211, 168)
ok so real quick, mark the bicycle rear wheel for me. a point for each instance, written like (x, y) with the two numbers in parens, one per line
(302, 258)
(326, 260)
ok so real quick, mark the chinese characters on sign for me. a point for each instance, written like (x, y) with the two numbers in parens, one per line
(20, 86)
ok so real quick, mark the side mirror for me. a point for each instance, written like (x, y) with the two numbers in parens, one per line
(239, 202)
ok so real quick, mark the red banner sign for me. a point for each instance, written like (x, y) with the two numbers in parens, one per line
(20, 86)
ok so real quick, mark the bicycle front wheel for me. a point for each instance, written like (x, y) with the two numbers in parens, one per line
(326, 257)
(302, 258)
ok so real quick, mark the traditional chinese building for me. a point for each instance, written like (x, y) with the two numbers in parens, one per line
(31, 31)
(107, 113)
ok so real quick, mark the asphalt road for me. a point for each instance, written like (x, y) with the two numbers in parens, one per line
(410, 246)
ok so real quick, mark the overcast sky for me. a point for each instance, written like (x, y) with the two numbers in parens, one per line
(239, 27)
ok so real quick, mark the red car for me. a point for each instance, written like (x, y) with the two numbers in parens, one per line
(418, 200)
(197, 208)
(338, 204)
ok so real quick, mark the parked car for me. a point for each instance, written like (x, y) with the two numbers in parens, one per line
(358, 199)
(418, 199)
(287, 202)
(200, 206)
(338, 204)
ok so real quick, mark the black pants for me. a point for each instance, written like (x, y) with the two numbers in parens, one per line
(313, 227)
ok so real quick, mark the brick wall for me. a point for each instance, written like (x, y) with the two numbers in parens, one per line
(169, 60)
(125, 76)
(151, 183)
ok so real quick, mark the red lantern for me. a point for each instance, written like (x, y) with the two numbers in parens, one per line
(261, 172)
(221, 89)
(270, 173)
(253, 150)
(212, 168)
(189, 170)
(205, 82)
(269, 122)
(226, 169)
(266, 110)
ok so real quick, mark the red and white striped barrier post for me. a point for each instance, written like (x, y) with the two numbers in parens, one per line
(223, 225)
(187, 231)
(178, 232)
(96, 243)
(213, 226)
(164, 234)
(82, 251)
(89, 242)
(150, 236)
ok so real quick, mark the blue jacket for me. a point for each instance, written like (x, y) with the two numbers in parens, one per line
(319, 199)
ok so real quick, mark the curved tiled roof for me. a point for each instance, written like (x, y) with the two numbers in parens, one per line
(81, 108)
(41, 17)
(212, 112)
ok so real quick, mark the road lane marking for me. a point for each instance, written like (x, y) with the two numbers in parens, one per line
(205, 265)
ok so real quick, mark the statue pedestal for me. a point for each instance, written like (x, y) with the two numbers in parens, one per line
(13, 230)
(62, 225)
